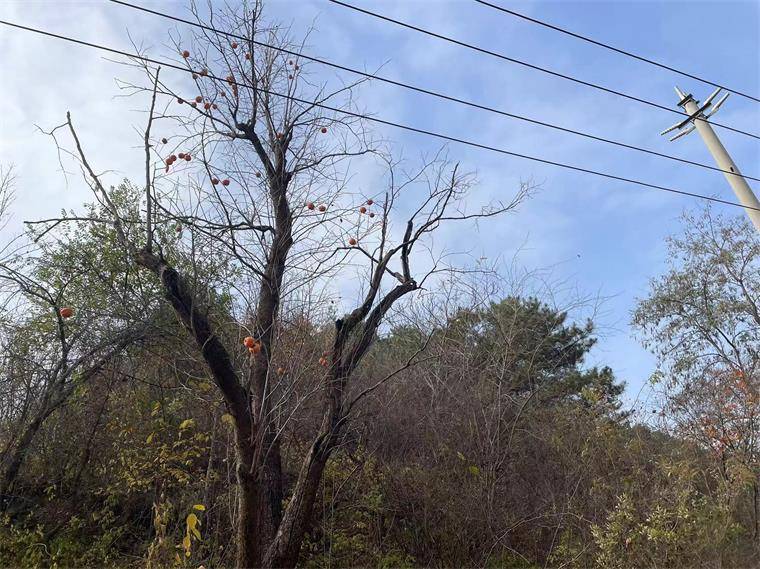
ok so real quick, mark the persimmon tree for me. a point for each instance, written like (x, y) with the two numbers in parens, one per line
(71, 309)
(251, 162)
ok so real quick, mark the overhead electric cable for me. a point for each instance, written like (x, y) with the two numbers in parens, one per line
(530, 65)
(615, 49)
(383, 121)
(430, 92)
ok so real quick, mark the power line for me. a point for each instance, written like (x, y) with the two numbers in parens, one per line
(383, 121)
(430, 92)
(615, 49)
(530, 65)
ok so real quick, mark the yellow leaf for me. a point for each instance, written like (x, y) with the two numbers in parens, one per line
(228, 419)
(192, 521)
(186, 543)
(150, 438)
(199, 507)
(186, 424)
(196, 533)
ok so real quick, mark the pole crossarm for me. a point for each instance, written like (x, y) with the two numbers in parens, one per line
(697, 120)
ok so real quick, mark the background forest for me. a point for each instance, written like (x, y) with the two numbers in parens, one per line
(185, 382)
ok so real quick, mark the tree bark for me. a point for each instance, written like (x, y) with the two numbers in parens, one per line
(249, 542)
(17, 456)
(286, 547)
(258, 506)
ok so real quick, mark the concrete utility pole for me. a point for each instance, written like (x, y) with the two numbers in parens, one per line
(698, 119)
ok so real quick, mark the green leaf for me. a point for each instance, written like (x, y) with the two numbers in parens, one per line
(474, 470)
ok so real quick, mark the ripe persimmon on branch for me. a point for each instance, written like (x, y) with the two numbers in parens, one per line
(263, 185)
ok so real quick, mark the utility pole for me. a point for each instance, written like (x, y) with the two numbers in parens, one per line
(697, 118)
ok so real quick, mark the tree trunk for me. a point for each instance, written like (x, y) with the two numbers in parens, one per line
(250, 542)
(259, 513)
(284, 550)
(17, 456)
(286, 546)
(273, 485)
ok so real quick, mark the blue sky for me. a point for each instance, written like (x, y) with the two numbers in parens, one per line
(599, 236)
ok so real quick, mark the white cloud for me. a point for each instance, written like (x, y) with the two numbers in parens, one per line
(617, 230)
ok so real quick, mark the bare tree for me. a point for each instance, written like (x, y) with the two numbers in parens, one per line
(271, 200)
